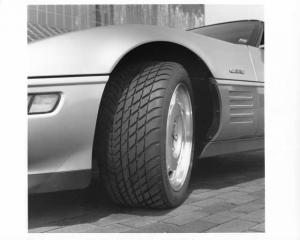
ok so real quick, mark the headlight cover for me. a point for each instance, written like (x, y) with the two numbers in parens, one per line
(42, 103)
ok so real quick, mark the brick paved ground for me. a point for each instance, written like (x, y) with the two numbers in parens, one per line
(226, 195)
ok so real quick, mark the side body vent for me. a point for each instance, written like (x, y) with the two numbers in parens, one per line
(241, 105)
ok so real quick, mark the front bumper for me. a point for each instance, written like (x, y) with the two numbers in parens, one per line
(60, 143)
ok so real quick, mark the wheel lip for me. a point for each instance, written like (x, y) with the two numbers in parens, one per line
(185, 158)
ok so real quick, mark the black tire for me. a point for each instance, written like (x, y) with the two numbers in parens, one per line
(131, 134)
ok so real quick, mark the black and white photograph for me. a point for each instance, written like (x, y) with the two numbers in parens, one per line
(145, 118)
(150, 120)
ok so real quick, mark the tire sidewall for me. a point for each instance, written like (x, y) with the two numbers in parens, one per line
(179, 76)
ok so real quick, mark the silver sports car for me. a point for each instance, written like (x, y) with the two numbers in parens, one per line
(136, 104)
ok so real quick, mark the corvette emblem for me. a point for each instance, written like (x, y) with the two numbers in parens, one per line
(237, 71)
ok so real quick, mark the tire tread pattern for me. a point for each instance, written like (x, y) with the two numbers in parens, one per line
(129, 134)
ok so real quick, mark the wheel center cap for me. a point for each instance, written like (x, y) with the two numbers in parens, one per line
(177, 135)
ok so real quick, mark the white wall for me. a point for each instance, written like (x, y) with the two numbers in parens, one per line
(221, 13)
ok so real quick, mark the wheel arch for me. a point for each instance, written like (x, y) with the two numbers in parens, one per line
(206, 101)
(162, 50)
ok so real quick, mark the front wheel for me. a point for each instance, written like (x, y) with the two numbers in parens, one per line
(145, 135)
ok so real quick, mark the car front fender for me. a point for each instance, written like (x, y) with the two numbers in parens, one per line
(98, 51)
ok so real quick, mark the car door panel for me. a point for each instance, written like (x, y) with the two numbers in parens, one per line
(238, 110)
(240, 99)
(257, 58)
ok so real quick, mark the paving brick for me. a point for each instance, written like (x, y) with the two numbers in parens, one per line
(257, 216)
(207, 202)
(113, 218)
(222, 217)
(191, 199)
(186, 218)
(240, 199)
(231, 194)
(146, 211)
(205, 195)
(259, 181)
(227, 189)
(236, 225)
(249, 207)
(252, 188)
(54, 215)
(201, 190)
(88, 217)
(156, 228)
(259, 201)
(222, 200)
(249, 183)
(114, 228)
(140, 221)
(197, 226)
(258, 228)
(258, 194)
(182, 210)
(218, 207)
(243, 185)
(78, 228)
